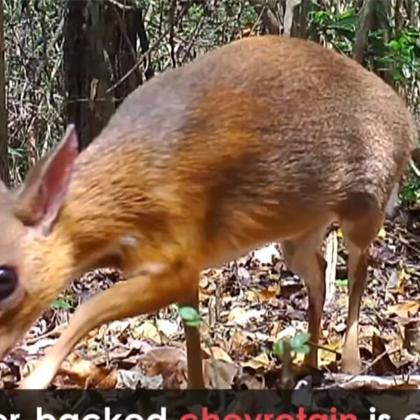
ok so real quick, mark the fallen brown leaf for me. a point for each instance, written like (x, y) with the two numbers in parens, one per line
(219, 374)
(384, 364)
(258, 362)
(326, 357)
(218, 354)
(405, 309)
(170, 362)
(412, 337)
(86, 374)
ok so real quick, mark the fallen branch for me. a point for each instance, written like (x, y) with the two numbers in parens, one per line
(350, 378)
(347, 381)
(414, 168)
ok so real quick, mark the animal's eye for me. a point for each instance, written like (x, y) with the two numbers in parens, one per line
(8, 281)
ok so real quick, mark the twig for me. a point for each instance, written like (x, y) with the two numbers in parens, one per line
(414, 168)
(123, 30)
(172, 32)
(144, 43)
(409, 245)
(144, 55)
(192, 40)
(321, 347)
(258, 20)
(287, 377)
(350, 378)
(55, 332)
(121, 6)
(216, 378)
(331, 252)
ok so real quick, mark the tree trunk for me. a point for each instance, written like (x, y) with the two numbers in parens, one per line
(300, 20)
(374, 15)
(120, 46)
(411, 12)
(144, 43)
(398, 17)
(381, 22)
(99, 58)
(86, 75)
(365, 25)
(4, 167)
(269, 21)
(289, 16)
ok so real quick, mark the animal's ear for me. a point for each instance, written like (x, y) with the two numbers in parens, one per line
(39, 200)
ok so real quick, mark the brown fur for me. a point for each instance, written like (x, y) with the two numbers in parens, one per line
(265, 139)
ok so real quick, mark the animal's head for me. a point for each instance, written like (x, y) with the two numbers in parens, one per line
(27, 218)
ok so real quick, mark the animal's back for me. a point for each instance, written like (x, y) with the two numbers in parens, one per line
(260, 127)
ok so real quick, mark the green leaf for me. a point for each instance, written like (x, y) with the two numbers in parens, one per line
(305, 349)
(61, 304)
(394, 45)
(278, 348)
(188, 313)
(342, 283)
(299, 340)
(190, 316)
(347, 22)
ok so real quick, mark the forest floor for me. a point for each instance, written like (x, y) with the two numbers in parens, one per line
(247, 306)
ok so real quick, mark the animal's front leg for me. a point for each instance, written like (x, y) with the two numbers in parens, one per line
(142, 294)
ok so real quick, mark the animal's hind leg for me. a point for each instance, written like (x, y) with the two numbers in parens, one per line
(358, 235)
(304, 258)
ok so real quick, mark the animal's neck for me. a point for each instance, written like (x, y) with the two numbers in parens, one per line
(111, 211)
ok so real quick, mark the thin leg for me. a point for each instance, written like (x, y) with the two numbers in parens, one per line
(316, 295)
(358, 237)
(357, 267)
(139, 295)
(193, 342)
(303, 258)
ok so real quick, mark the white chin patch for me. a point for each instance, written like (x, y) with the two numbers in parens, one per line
(129, 241)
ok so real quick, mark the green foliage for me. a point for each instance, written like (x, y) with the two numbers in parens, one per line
(337, 29)
(400, 55)
(64, 304)
(342, 283)
(33, 57)
(394, 54)
(190, 316)
(298, 344)
(403, 56)
(200, 27)
(410, 192)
